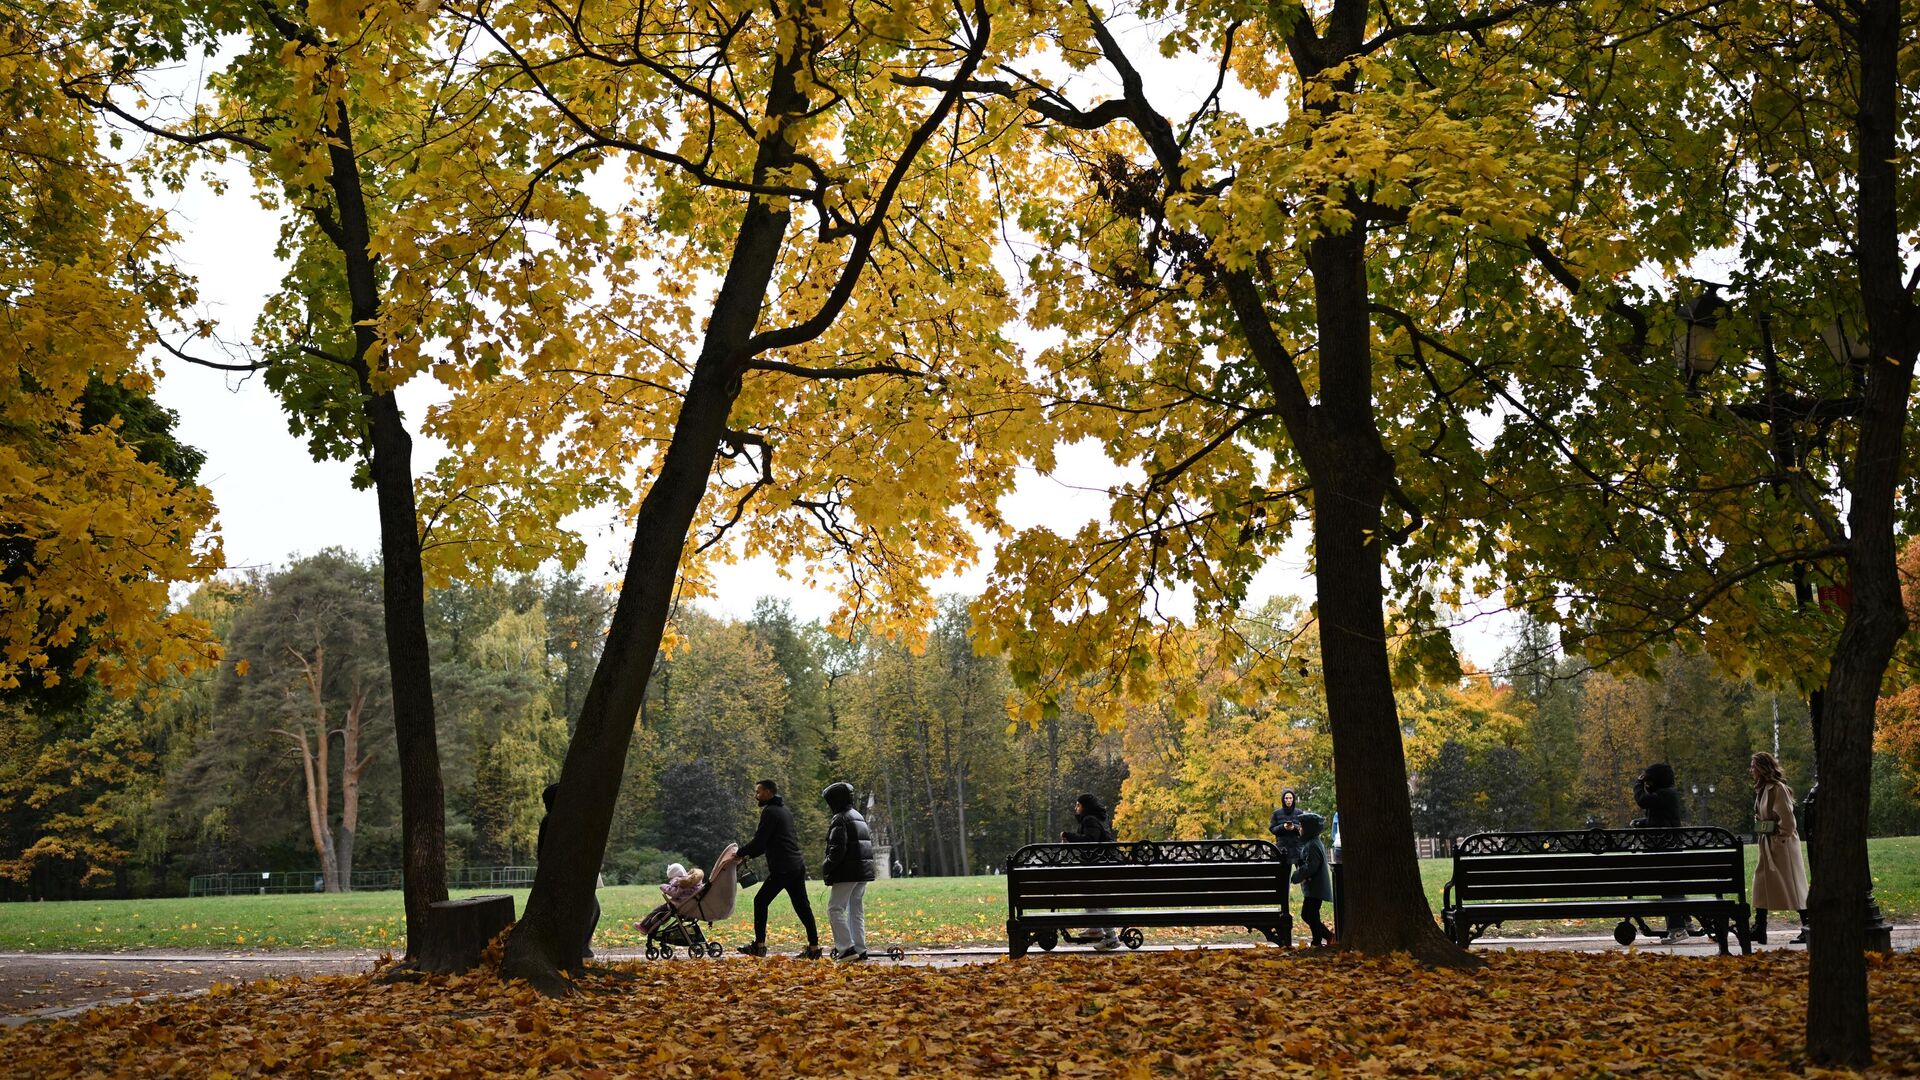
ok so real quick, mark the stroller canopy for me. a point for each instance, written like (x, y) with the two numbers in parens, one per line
(715, 899)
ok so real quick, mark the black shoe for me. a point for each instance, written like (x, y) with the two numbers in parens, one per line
(1759, 935)
(1799, 938)
(811, 952)
(754, 949)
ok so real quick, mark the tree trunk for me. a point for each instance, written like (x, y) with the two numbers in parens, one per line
(1838, 1033)
(351, 766)
(1837, 1027)
(1352, 473)
(423, 824)
(1385, 908)
(546, 941)
(315, 781)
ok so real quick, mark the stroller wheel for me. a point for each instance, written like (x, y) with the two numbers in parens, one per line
(714, 950)
(897, 953)
(1624, 933)
(666, 952)
(652, 953)
(1046, 939)
(1132, 938)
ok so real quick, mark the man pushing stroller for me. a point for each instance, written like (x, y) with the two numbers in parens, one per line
(786, 870)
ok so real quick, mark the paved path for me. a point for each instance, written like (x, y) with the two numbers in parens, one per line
(38, 986)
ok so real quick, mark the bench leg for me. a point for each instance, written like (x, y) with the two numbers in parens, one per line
(1017, 940)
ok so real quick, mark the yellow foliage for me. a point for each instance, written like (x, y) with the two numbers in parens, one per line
(94, 536)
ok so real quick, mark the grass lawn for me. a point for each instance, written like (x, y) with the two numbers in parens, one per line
(916, 913)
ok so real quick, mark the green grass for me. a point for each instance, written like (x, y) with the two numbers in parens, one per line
(913, 912)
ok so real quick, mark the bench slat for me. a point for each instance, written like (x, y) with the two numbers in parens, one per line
(1589, 908)
(1272, 883)
(1112, 902)
(1570, 890)
(1177, 917)
(1546, 864)
(1118, 871)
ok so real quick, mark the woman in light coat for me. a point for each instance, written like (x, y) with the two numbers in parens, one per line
(1780, 877)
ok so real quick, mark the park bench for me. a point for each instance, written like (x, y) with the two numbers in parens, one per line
(1145, 883)
(1623, 874)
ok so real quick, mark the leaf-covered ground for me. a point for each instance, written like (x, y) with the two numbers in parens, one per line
(1238, 1013)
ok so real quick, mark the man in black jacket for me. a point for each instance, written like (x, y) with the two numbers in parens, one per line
(848, 868)
(776, 839)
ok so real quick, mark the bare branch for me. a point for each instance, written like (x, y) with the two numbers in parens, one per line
(804, 372)
(864, 239)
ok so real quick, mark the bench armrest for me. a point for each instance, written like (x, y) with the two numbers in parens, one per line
(1446, 895)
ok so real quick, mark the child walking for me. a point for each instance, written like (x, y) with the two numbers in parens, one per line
(1312, 878)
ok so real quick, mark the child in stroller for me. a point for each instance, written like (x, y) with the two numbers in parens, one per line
(691, 899)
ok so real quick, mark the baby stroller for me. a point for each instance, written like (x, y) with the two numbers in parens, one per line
(676, 925)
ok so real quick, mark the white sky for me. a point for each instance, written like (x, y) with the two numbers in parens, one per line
(277, 503)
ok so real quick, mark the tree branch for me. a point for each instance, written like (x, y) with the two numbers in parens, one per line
(786, 337)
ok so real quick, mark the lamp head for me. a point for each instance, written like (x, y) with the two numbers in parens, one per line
(1696, 341)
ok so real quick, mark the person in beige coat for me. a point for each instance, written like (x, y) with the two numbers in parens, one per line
(1780, 877)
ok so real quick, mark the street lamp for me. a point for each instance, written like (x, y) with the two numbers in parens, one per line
(1697, 347)
(1696, 343)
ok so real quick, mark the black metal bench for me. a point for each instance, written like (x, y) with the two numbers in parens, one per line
(1050, 888)
(1623, 874)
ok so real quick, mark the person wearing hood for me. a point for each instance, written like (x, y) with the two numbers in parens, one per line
(1091, 828)
(786, 870)
(1657, 794)
(1285, 826)
(1312, 877)
(848, 868)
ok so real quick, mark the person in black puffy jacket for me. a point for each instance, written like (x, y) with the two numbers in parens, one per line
(786, 870)
(848, 868)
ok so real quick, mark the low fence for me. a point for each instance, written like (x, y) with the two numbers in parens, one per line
(307, 881)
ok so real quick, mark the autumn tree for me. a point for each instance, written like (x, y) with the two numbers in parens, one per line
(1280, 312)
(307, 668)
(514, 733)
(398, 199)
(717, 713)
(1213, 754)
(1897, 726)
(100, 513)
(777, 169)
(1712, 505)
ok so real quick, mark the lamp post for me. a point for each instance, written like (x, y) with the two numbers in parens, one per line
(1697, 348)
(1702, 802)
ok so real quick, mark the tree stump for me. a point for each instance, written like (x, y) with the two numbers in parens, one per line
(457, 931)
